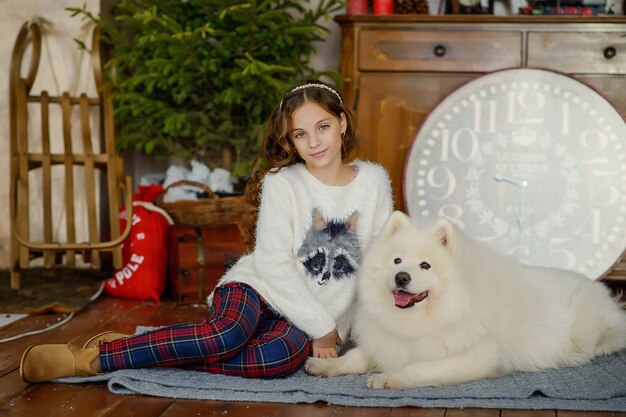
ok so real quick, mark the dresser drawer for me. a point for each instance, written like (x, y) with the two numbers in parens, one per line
(199, 255)
(579, 53)
(417, 50)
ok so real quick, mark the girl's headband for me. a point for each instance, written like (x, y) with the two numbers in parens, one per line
(316, 85)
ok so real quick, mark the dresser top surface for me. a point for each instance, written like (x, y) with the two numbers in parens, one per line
(477, 19)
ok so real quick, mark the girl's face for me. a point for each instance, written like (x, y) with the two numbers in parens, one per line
(316, 134)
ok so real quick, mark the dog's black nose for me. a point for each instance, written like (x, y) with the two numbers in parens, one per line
(402, 279)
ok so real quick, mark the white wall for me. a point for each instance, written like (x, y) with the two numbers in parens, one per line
(62, 68)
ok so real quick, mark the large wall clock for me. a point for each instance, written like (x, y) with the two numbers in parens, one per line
(531, 162)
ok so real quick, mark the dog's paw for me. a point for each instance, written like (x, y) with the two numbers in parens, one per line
(321, 367)
(384, 381)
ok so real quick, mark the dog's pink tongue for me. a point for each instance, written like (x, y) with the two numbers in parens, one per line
(402, 298)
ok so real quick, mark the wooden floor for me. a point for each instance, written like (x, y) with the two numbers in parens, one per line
(52, 399)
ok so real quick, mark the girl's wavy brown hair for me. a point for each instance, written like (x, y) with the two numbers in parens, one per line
(277, 150)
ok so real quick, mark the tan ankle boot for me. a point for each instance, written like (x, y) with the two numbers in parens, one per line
(104, 337)
(45, 362)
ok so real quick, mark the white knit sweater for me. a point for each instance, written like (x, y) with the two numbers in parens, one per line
(309, 242)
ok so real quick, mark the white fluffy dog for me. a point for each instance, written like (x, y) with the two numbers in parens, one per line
(435, 308)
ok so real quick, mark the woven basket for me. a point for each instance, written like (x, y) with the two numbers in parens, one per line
(211, 210)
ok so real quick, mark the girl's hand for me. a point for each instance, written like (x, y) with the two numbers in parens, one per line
(326, 346)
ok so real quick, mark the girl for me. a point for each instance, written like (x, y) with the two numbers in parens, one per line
(288, 298)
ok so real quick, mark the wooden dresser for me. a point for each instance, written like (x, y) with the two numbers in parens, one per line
(398, 67)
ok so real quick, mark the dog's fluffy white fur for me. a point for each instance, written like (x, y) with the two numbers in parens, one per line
(436, 308)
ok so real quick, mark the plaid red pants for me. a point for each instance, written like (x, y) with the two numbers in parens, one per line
(244, 336)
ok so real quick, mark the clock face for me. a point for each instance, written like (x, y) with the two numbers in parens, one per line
(531, 162)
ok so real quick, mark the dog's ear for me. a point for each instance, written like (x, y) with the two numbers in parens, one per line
(444, 232)
(396, 222)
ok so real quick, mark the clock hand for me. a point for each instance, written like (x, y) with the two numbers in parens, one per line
(521, 218)
(522, 209)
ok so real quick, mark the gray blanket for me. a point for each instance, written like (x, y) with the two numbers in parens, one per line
(600, 385)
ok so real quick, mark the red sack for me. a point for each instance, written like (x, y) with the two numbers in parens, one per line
(144, 254)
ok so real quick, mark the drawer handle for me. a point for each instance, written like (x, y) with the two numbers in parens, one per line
(610, 52)
(439, 50)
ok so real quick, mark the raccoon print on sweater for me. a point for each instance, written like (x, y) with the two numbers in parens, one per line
(298, 248)
(331, 248)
